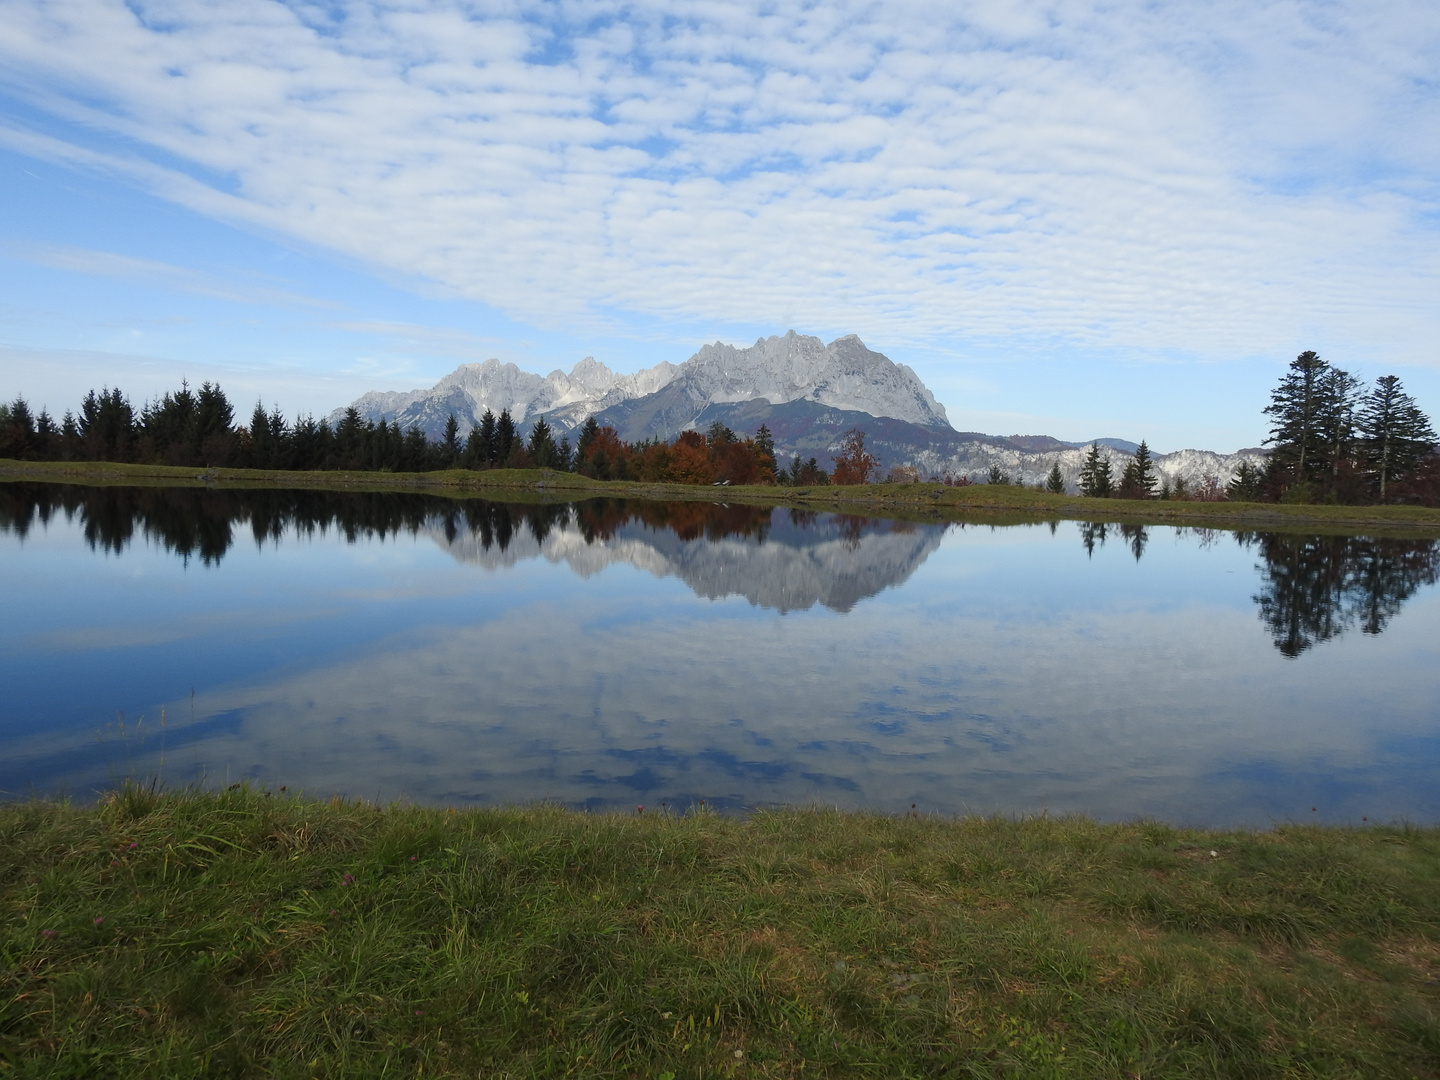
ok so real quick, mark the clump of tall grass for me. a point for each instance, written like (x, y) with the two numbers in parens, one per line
(238, 933)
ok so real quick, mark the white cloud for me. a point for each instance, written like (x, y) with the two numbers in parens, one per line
(182, 278)
(1215, 179)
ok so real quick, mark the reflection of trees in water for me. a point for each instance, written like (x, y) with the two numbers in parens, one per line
(202, 522)
(1314, 588)
(1093, 534)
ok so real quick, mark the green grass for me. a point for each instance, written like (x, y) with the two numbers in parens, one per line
(999, 504)
(238, 934)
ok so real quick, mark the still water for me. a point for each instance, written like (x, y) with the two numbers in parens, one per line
(612, 654)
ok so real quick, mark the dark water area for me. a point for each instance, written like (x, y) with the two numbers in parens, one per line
(613, 653)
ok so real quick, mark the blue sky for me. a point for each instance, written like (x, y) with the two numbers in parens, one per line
(1070, 218)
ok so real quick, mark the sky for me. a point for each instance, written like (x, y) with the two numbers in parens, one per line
(1071, 218)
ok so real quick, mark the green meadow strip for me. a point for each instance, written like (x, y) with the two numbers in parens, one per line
(981, 503)
(241, 933)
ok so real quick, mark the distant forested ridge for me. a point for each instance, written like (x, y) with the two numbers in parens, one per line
(197, 428)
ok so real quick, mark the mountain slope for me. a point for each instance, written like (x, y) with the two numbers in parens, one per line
(808, 393)
(664, 400)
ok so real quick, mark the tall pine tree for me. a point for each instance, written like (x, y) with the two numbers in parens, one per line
(1095, 478)
(450, 445)
(1137, 481)
(505, 439)
(1396, 434)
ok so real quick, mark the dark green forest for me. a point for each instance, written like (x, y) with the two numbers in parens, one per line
(1331, 440)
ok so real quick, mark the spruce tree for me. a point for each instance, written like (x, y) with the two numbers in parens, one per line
(1247, 485)
(996, 476)
(1339, 398)
(489, 428)
(1137, 481)
(542, 444)
(450, 445)
(1095, 480)
(1055, 482)
(505, 440)
(473, 456)
(765, 449)
(261, 451)
(1396, 434)
(588, 431)
(1311, 428)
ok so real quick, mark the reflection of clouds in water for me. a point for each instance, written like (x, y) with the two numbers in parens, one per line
(829, 562)
(953, 715)
(1007, 672)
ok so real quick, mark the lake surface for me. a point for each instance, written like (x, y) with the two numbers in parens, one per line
(611, 654)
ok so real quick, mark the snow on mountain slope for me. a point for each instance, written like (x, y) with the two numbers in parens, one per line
(807, 392)
(843, 375)
(472, 388)
(666, 398)
(974, 460)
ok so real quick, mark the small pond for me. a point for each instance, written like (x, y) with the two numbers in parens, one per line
(611, 654)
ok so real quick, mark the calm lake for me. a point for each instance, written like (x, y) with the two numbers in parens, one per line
(611, 654)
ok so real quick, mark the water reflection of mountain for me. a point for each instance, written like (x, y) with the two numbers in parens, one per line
(1313, 588)
(781, 559)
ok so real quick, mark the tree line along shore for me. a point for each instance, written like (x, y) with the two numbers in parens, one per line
(250, 932)
(1331, 441)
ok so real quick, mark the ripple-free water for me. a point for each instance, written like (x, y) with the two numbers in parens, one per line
(611, 654)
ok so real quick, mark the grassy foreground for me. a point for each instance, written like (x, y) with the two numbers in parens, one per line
(235, 934)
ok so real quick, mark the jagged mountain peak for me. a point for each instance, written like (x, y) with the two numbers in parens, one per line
(792, 367)
(667, 398)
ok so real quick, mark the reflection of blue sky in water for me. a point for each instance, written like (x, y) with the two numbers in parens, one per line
(1003, 670)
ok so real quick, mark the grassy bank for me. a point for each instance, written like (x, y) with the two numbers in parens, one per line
(928, 502)
(241, 934)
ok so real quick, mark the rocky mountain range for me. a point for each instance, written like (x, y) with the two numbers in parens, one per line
(808, 394)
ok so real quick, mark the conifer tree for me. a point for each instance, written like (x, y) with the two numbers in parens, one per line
(542, 444)
(588, 431)
(765, 450)
(1247, 485)
(1312, 426)
(1095, 479)
(505, 441)
(1396, 434)
(489, 431)
(1055, 482)
(450, 445)
(1339, 398)
(473, 455)
(1137, 481)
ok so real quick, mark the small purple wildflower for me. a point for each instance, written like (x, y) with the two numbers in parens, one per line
(99, 919)
(333, 911)
(419, 1013)
(49, 933)
(413, 858)
(134, 844)
(347, 879)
